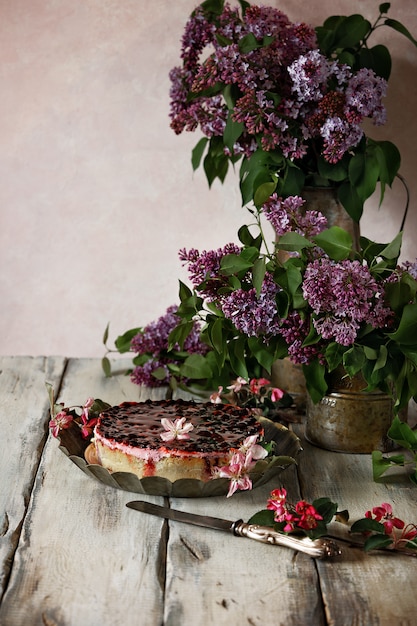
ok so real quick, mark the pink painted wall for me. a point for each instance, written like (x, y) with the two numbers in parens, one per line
(97, 194)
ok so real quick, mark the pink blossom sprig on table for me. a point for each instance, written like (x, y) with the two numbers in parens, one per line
(310, 519)
(83, 416)
(379, 528)
(256, 393)
(240, 465)
(382, 529)
(178, 429)
(291, 122)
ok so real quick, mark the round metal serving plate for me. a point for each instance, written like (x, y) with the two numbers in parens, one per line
(287, 446)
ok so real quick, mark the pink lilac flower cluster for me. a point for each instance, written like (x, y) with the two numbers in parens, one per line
(394, 527)
(240, 464)
(288, 93)
(343, 295)
(303, 515)
(66, 417)
(153, 341)
(285, 216)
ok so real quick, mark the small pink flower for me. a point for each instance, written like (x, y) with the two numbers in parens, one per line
(384, 515)
(238, 384)
(308, 515)
(236, 472)
(277, 503)
(216, 396)
(256, 384)
(252, 450)
(175, 430)
(61, 421)
(85, 412)
(276, 394)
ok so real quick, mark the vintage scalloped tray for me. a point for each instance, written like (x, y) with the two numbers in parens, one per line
(287, 447)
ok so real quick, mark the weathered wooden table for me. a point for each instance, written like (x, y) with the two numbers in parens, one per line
(72, 554)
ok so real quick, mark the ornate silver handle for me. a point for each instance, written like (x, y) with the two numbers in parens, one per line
(317, 548)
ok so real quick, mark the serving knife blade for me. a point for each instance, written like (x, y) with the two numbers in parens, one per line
(317, 548)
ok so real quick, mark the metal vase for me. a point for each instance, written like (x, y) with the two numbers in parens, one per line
(349, 419)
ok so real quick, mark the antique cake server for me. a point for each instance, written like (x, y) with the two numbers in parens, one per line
(317, 548)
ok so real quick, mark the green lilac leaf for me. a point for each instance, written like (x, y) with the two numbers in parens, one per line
(350, 199)
(263, 193)
(106, 334)
(197, 152)
(184, 291)
(407, 329)
(364, 173)
(248, 43)
(232, 132)
(351, 31)
(336, 242)
(384, 7)
(106, 367)
(378, 59)
(396, 25)
(216, 335)
(196, 366)
(380, 464)
(293, 242)
(402, 434)
(234, 263)
(314, 374)
(258, 274)
(389, 160)
(122, 342)
(237, 357)
(179, 334)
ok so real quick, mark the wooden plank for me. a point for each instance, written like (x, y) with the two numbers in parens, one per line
(361, 588)
(84, 558)
(23, 417)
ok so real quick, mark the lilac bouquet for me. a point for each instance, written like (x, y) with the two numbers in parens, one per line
(285, 99)
(326, 304)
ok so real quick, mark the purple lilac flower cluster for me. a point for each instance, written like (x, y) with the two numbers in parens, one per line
(342, 295)
(254, 314)
(152, 341)
(294, 329)
(289, 94)
(285, 216)
(204, 267)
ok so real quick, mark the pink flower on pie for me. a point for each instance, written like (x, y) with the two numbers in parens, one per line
(216, 396)
(175, 430)
(61, 421)
(236, 472)
(252, 450)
